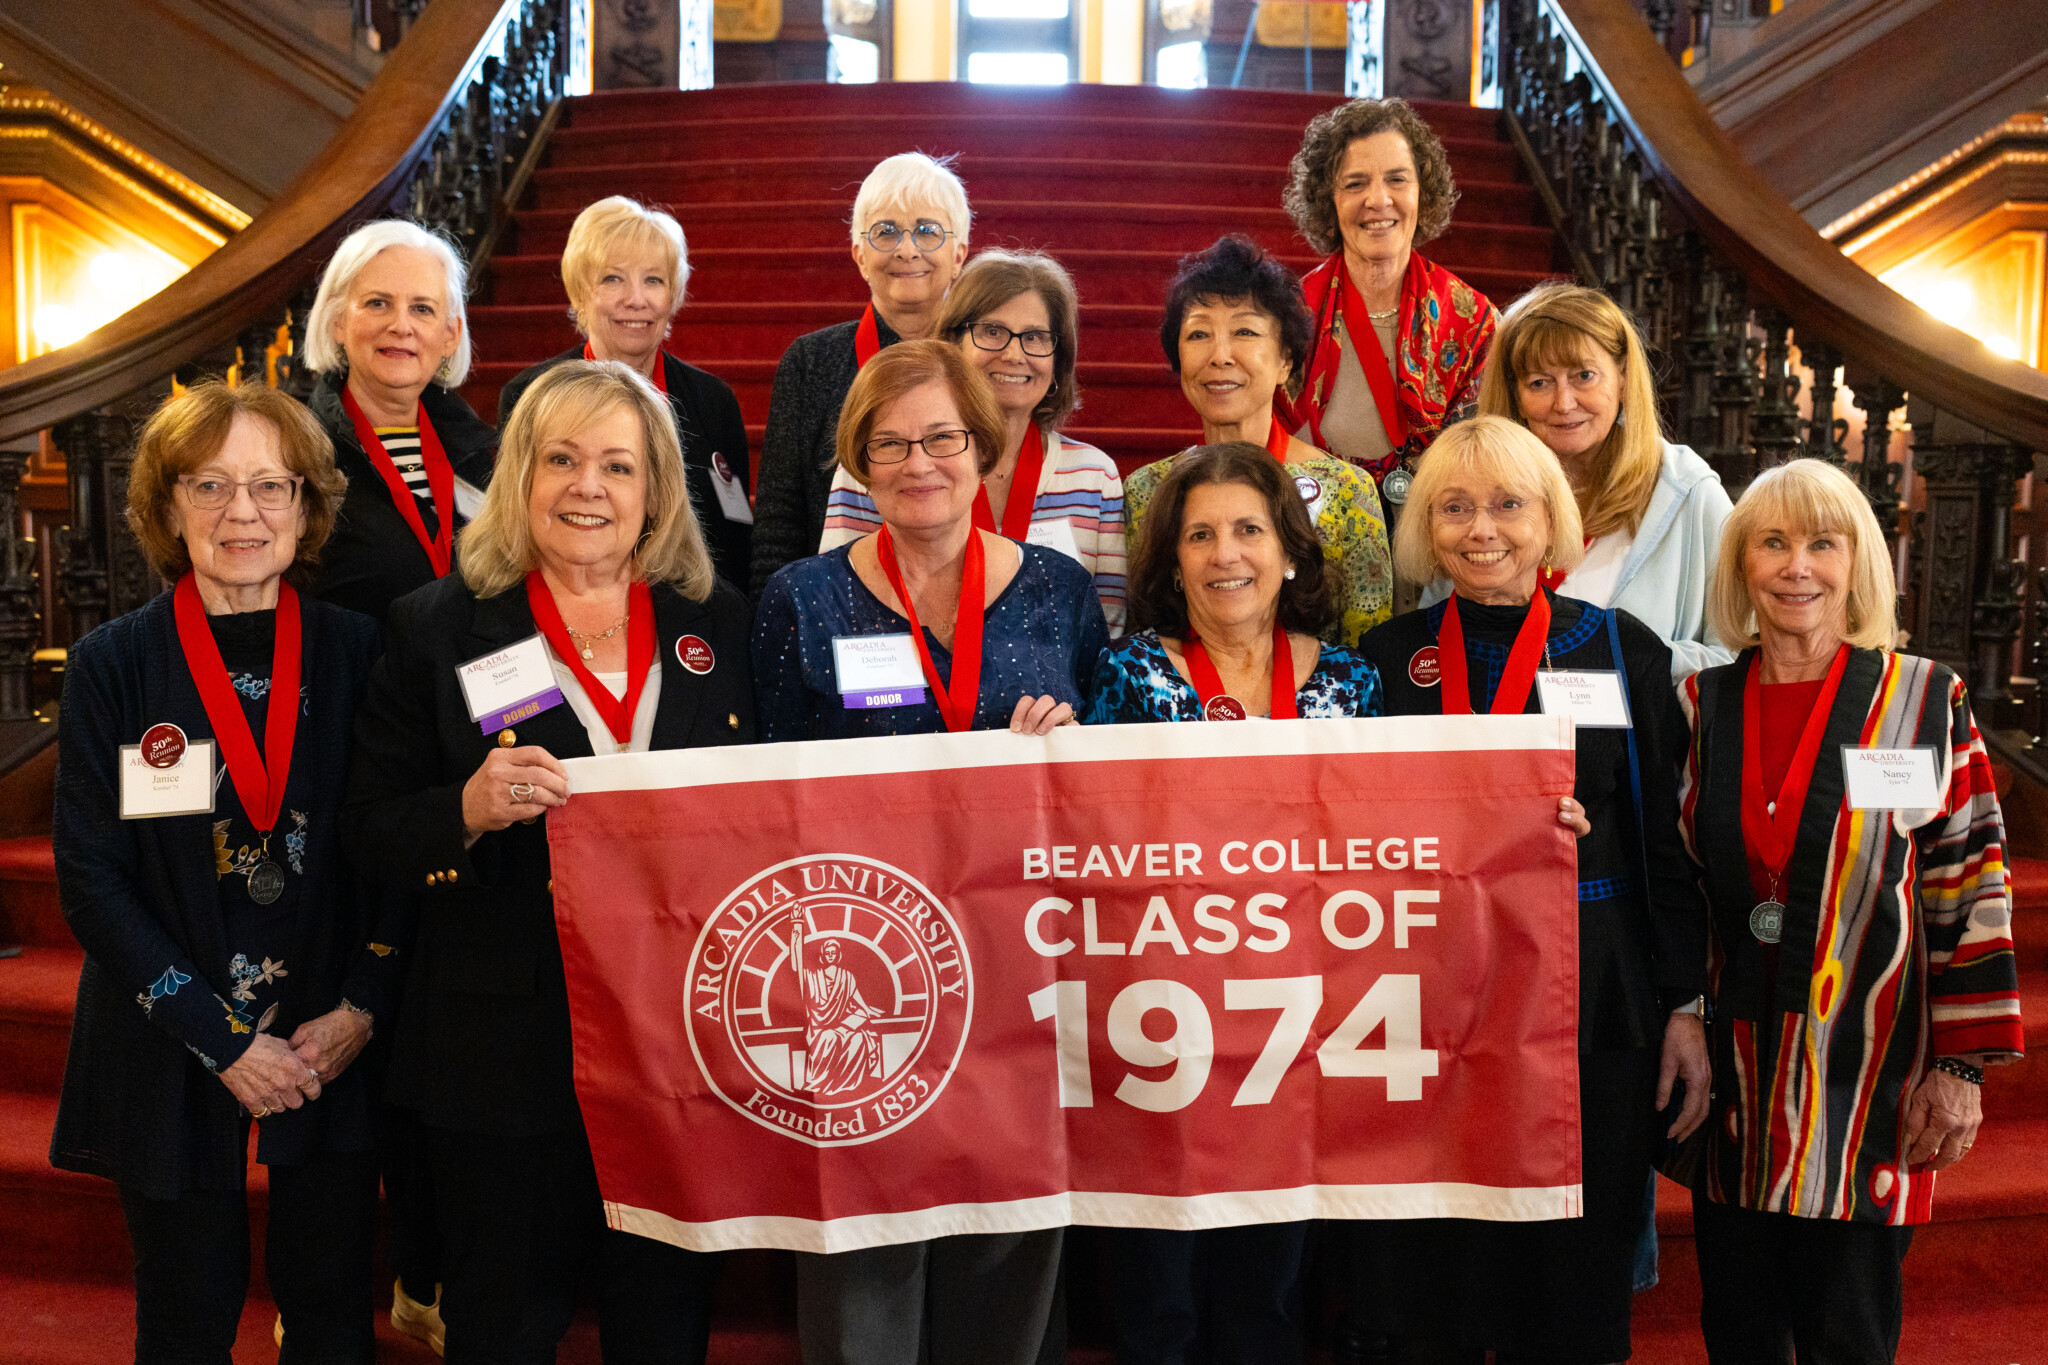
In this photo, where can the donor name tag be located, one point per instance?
(877, 670)
(508, 685)
(184, 787)
(1593, 698)
(1890, 779)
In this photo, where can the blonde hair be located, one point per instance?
(904, 368)
(324, 354)
(911, 178)
(1806, 496)
(607, 230)
(497, 549)
(1486, 450)
(1554, 326)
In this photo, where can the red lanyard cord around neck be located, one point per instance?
(1770, 829)
(259, 777)
(955, 702)
(1209, 682)
(1512, 696)
(660, 376)
(1023, 491)
(616, 712)
(1277, 439)
(867, 338)
(440, 483)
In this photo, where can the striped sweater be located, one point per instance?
(1078, 511)
(1896, 948)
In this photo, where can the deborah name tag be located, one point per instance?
(1593, 698)
(1890, 779)
(508, 685)
(185, 787)
(877, 670)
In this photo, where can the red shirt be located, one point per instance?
(1785, 709)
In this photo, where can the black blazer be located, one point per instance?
(373, 558)
(708, 423)
(141, 895)
(483, 1038)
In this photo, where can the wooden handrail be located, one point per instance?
(1755, 229)
(371, 157)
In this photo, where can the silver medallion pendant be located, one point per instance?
(1394, 488)
(1767, 922)
(266, 882)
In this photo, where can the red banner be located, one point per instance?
(844, 994)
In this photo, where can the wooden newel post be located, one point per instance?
(19, 620)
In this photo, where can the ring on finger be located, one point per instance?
(522, 792)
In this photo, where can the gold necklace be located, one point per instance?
(581, 636)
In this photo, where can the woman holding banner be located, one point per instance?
(1879, 951)
(586, 619)
(1490, 509)
(927, 626)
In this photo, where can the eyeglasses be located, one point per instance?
(993, 336)
(927, 236)
(940, 445)
(272, 494)
(1460, 511)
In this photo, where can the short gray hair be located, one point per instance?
(323, 353)
(907, 178)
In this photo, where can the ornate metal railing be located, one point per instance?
(1754, 317)
(446, 134)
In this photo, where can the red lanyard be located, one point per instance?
(440, 483)
(867, 338)
(1024, 480)
(616, 712)
(1513, 694)
(1277, 439)
(1770, 834)
(955, 703)
(1553, 579)
(1220, 705)
(259, 778)
(1372, 357)
(660, 376)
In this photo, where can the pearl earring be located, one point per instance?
(1289, 575)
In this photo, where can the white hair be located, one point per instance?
(910, 178)
(324, 354)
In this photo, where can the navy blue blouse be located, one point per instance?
(1040, 637)
(1135, 682)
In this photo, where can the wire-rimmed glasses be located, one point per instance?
(272, 493)
(926, 235)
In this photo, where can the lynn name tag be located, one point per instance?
(185, 787)
(877, 670)
(1593, 698)
(1891, 779)
(509, 685)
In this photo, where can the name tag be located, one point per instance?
(509, 685)
(877, 670)
(1593, 698)
(732, 499)
(1055, 534)
(469, 500)
(185, 787)
(1890, 779)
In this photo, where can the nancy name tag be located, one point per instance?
(508, 685)
(1891, 779)
(183, 787)
(1592, 697)
(877, 670)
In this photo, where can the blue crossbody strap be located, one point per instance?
(1635, 773)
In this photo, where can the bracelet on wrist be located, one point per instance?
(1960, 1069)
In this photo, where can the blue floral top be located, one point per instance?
(1135, 682)
(1040, 637)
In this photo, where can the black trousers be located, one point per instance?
(1220, 1296)
(192, 1266)
(413, 1247)
(523, 1227)
(1775, 1289)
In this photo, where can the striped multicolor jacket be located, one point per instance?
(1079, 511)
(1896, 949)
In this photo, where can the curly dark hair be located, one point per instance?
(1239, 268)
(1158, 603)
(1311, 197)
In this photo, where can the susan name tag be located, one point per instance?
(1592, 697)
(1891, 779)
(509, 685)
(877, 670)
(182, 787)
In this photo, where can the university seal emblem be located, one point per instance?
(829, 999)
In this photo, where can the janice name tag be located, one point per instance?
(877, 670)
(1592, 697)
(509, 685)
(183, 788)
(1891, 779)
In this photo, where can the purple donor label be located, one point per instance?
(898, 696)
(512, 715)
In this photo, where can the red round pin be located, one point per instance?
(1422, 669)
(1224, 707)
(692, 653)
(1308, 486)
(163, 745)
